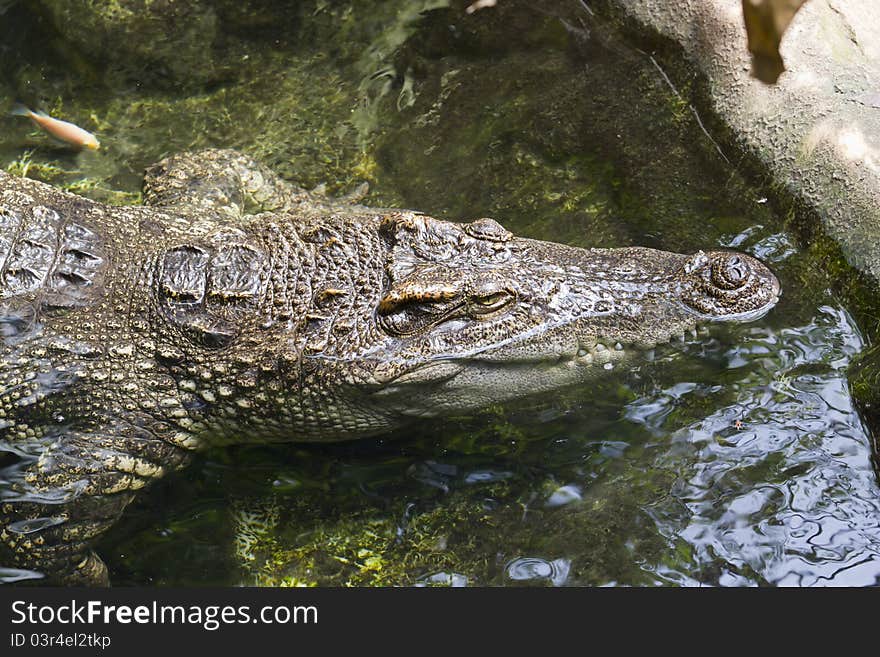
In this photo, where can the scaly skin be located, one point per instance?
(135, 335)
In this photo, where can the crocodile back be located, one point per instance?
(47, 258)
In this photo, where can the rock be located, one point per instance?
(166, 43)
(152, 39)
(813, 132)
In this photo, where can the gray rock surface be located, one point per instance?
(817, 132)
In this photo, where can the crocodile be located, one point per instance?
(233, 306)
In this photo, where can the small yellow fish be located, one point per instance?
(61, 130)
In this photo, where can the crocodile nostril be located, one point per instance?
(736, 269)
(730, 272)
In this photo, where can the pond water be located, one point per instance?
(730, 459)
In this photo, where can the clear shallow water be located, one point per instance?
(762, 480)
(735, 458)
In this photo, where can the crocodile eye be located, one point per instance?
(416, 306)
(491, 302)
(487, 229)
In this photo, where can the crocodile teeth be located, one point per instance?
(602, 356)
(436, 372)
(584, 357)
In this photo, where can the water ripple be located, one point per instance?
(776, 486)
(534, 569)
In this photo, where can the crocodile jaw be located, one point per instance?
(455, 385)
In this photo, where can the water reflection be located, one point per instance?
(789, 497)
(536, 569)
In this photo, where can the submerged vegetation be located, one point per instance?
(482, 535)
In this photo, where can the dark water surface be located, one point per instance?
(730, 459)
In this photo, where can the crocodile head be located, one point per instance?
(473, 315)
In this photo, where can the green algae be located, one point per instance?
(520, 130)
(557, 149)
(471, 534)
(295, 104)
(864, 380)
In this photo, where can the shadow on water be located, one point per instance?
(730, 459)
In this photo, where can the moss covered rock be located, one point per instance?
(150, 39)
